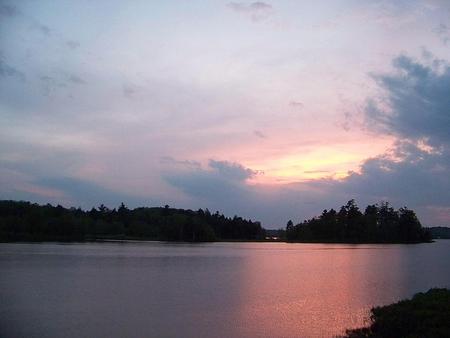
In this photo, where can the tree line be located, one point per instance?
(377, 224)
(440, 232)
(32, 222)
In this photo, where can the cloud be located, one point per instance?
(49, 84)
(221, 181)
(414, 176)
(253, 7)
(59, 80)
(66, 190)
(296, 104)
(8, 10)
(259, 134)
(257, 11)
(11, 11)
(440, 5)
(9, 71)
(443, 32)
(224, 186)
(72, 44)
(415, 108)
(316, 171)
(188, 174)
(231, 171)
(76, 79)
(415, 172)
(86, 193)
(171, 162)
(44, 29)
(347, 121)
(416, 101)
(129, 90)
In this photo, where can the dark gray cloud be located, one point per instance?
(171, 162)
(231, 171)
(415, 108)
(9, 71)
(347, 121)
(72, 44)
(88, 194)
(71, 192)
(11, 11)
(221, 179)
(7, 10)
(443, 32)
(259, 134)
(257, 11)
(416, 103)
(414, 176)
(44, 29)
(50, 84)
(59, 80)
(75, 79)
(44, 173)
(129, 90)
(222, 182)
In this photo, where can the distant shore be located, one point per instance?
(138, 239)
(22, 221)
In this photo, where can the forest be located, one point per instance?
(377, 224)
(439, 232)
(25, 221)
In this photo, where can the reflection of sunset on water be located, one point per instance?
(319, 290)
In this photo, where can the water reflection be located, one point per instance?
(207, 290)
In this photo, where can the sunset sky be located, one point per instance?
(268, 110)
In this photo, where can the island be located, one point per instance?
(377, 224)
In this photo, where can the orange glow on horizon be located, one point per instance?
(317, 163)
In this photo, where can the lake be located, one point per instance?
(152, 289)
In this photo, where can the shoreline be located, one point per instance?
(143, 240)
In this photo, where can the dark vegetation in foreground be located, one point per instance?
(426, 315)
(24, 221)
(377, 224)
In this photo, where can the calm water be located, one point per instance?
(207, 290)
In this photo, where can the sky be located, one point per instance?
(268, 110)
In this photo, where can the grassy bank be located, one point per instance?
(426, 315)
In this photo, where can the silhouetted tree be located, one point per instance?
(26, 221)
(377, 224)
